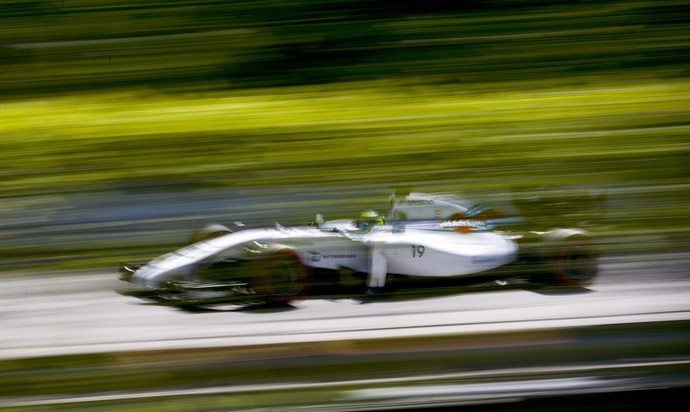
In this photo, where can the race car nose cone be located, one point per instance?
(151, 277)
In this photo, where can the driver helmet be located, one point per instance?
(367, 220)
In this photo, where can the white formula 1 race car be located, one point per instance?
(422, 237)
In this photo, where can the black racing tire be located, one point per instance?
(210, 231)
(281, 278)
(573, 261)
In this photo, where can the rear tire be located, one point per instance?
(573, 262)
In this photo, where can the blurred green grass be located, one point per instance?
(371, 131)
(486, 97)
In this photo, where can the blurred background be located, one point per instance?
(125, 125)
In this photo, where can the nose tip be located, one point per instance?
(144, 278)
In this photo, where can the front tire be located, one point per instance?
(281, 278)
(210, 231)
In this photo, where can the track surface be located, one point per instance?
(54, 315)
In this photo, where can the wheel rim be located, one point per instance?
(285, 278)
(578, 263)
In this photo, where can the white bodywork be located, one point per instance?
(430, 250)
(444, 253)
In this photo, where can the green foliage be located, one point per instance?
(488, 97)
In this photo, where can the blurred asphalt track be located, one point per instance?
(507, 347)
